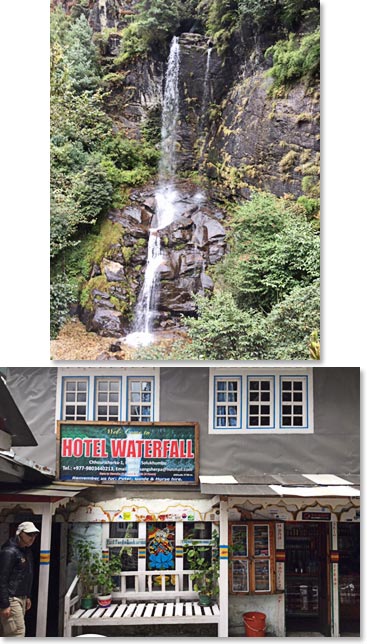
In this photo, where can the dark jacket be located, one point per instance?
(16, 572)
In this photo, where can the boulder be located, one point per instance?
(113, 270)
(107, 322)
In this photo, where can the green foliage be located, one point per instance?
(295, 59)
(153, 26)
(92, 190)
(62, 295)
(223, 331)
(290, 324)
(81, 56)
(221, 21)
(104, 570)
(274, 248)
(204, 560)
(85, 555)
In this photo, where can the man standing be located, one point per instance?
(16, 577)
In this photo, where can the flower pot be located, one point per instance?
(87, 602)
(104, 600)
(205, 600)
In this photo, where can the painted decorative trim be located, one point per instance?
(45, 557)
(334, 556)
(280, 555)
(223, 552)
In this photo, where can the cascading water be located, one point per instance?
(206, 93)
(165, 196)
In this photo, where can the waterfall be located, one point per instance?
(165, 196)
(206, 92)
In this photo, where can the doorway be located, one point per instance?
(307, 583)
(349, 578)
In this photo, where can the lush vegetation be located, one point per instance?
(91, 164)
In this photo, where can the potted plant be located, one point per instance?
(86, 557)
(205, 563)
(106, 569)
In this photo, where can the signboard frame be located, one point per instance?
(133, 425)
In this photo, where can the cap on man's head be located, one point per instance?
(28, 527)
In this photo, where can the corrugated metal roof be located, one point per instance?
(294, 484)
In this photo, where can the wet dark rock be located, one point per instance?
(107, 322)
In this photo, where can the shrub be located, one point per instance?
(61, 296)
(295, 59)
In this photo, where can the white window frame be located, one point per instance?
(108, 378)
(246, 374)
(140, 378)
(91, 374)
(64, 402)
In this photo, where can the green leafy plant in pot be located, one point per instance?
(106, 569)
(204, 561)
(86, 557)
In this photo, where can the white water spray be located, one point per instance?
(166, 195)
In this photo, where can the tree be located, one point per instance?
(81, 56)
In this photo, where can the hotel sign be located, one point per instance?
(136, 452)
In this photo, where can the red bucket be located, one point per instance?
(254, 624)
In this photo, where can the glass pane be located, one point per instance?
(254, 385)
(221, 396)
(239, 576)
(286, 397)
(261, 540)
(221, 410)
(134, 410)
(287, 409)
(297, 386)
(265, 421)
(286, 421)
(254, 396)
(114, 397)
(146, 386)
(81, 397)
(297, 409)
(297, 421)
(254, 421)
(70, 397)
(232, 411)
(103, 385)
(262, 575)
(232, 397)
(102, 410)
(221, 422)
(265, 409)
(146, 397)
(286, 386)
(221, 386)
(265, 385)
(114, 386)
(102, 397)
(135, 397)
(232, 421)
(239, 540)
(70, 385)
(232, 386)
(254, 409)
(145, 419)
(114, 410)
(82, 386)
(70, 410)
(297, 396)
(265, 396)
(145, 410)
(134, 386)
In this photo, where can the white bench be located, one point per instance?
(146, 604)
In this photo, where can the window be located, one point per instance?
(108, 395)
(293, 402)
(260, 401)
(260, 396)
(75, 399)
(140, 399)
(107, 399)
(252, 567)
(227, 402)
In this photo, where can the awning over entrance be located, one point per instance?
(304, 485)
(12, 421)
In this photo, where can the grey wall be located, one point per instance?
(333, 448)
(184, 392)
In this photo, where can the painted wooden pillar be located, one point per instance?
(223, 569)
(334, 569)
(142, 561)
(44, 571)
